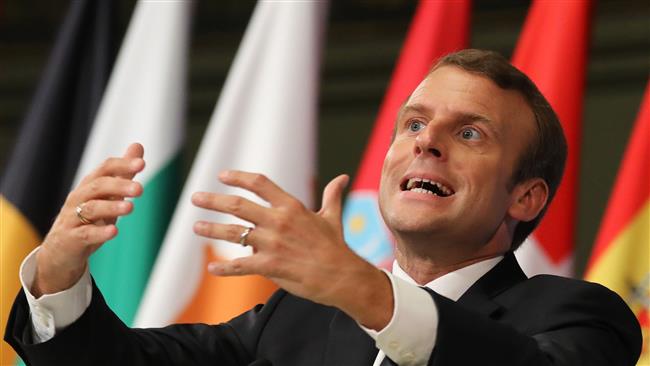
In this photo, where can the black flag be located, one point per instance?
(52, 137)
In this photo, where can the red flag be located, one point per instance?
(552, 51)
(438, 28)
(621, 256)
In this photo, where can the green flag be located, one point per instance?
(144, 102)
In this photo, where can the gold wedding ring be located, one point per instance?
(78, 210)
(242, 237)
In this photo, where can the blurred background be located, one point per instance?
(363, 40)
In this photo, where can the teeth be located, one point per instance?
(442, 188)
(410, 186)
(411, 183)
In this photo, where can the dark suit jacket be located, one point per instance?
(503, 319)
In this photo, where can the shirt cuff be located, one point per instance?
(52, 312)
(410, 336)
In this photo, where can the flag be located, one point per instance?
(144, 102)
(552, 51)
(42, 164)
(621, 256)
(438, 28)
(264, 122)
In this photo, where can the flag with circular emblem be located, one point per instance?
(438, 28)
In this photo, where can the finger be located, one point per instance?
(135, 150)
(333, 197)
(108, 187)
(135, 153)
(236, 267)
(116, 167)
(258, 184)
(90, 235)
(234, 205)
(267, 266)
(231, 233)
(96, 210)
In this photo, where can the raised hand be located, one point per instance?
(86, 221)
(301, 251)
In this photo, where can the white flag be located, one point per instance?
(264, 122)
(144, 102)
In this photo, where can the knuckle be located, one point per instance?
(117, 208)
(259, 179)
(294, 205)
(237, 266)
(94, 186)
(234, 204)
(283, 221)
(89, 209)
(271, 261)
(104, 166)
(84, 235)
(275, 243)
(108, 162)
(233, 232)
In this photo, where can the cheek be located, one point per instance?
(494, 196)
(486, 178)
(392, 162)
(385, 182)
(392, 170)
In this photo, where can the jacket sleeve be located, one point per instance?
(587, 325)
(99, 337)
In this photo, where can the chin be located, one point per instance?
(401, 225)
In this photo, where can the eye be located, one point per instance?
(415, 126)
(469, 133)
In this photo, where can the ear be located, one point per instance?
(529, 198)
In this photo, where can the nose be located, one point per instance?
(427, 142)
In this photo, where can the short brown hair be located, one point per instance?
(546, 154)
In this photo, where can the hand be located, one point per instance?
(301, 251)
(63, 256)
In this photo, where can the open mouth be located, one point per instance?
(426, 186)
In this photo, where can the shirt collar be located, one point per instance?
(453, 284)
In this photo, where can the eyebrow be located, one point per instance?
(461, 116)
(419, 108)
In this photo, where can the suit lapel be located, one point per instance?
(479, 297)
(347, 344)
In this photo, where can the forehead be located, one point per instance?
(452, 90)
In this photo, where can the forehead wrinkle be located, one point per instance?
(464, 117)
(473, 117)
(416, 107)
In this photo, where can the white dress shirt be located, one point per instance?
(53, 312)
(410, 336)
(408, 339)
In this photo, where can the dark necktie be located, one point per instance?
(387, 362)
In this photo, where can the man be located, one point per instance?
(476, 157)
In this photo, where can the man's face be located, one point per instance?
(447, 173)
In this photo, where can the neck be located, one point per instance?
(426, 261)
(426, 269)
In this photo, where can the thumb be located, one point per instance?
(135, 150)
(332, 197)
